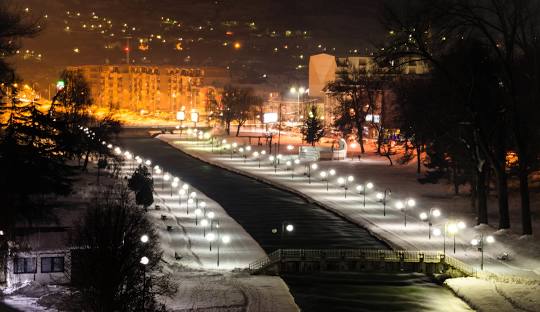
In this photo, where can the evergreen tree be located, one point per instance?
(142, 184)
(313, 129)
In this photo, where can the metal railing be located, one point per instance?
(357, 254)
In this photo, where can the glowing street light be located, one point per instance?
(362, 188)
(402, 206)
(257, 155)
(480, 243)
(144, 238)
(313, 166)
(324, 177)
(226, 239)
(166, 177)
(197, 212)
(210, 238)
(204, 224)
(433, 212)
(296, 163)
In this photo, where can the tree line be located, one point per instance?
(476, 113)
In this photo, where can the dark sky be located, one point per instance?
(276, 37)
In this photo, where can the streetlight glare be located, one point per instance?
(314, 166)
(379, 196)
(148, 162)
(474, 242)
(436, 213)
(185, 186)
(452, 228)
(226, 239)
(490, 239)
(369, 185)
(350, 178)
(202, 204)
(359, 188)
(461, 225)
(289, 228)
(332, 172)
(411, 202)
(210, 237)
(204, 222)
(437, 232)
(211, 215)
(144, 260)
(198, 212)
(323, 174)
(297, 161)
(193, 194)
(144, 238)
(340, 180)
(292, 90)
(399, 205)
(423, 216)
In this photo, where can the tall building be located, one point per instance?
(146, 89)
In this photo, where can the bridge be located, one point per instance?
(312, 260)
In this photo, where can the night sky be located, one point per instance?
(275, 37)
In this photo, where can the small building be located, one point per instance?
(39, 254)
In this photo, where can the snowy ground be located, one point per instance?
(401, 179)
(202, 284)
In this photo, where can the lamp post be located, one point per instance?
(363, 189)
(223, 144)
(174, 185)
(433, 212)
(387, 192)
(210, 238)
(300, 91)
(144, 261)
(402, 206)
(204, 224)
(480, 243)
(166, 177)
(190, 201)
(233, 148)
(197, 212)
(453, 228)
(225, 240)
(289, 228)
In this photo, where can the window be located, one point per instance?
(52, 264)
(24, 265)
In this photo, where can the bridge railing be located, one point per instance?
(351, 254)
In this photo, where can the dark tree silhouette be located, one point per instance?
(106, 267)
(142, 184)
(313, 129)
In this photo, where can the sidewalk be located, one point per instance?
(202, 283)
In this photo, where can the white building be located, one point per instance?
(40, 255)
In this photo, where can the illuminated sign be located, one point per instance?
(270, 117)
(194, 116)
(181, 115)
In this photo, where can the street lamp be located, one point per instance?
(190, 201)
(324, 177)
(198, 212)
(225, 240)
(166, 177)
(233, 148)
(362, 188)
(284, 227)
(402, 206)
(433, 212)
(451, 227)
(204, 224)
(144, 238)
(257, 155)
(480, 243)
(382, 197)
(210, 238)
(144, 261)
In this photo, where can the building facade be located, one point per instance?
(146, 89)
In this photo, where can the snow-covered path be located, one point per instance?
(185, 224)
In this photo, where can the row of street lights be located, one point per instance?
(450, 227)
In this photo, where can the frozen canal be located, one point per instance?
(259, 208)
